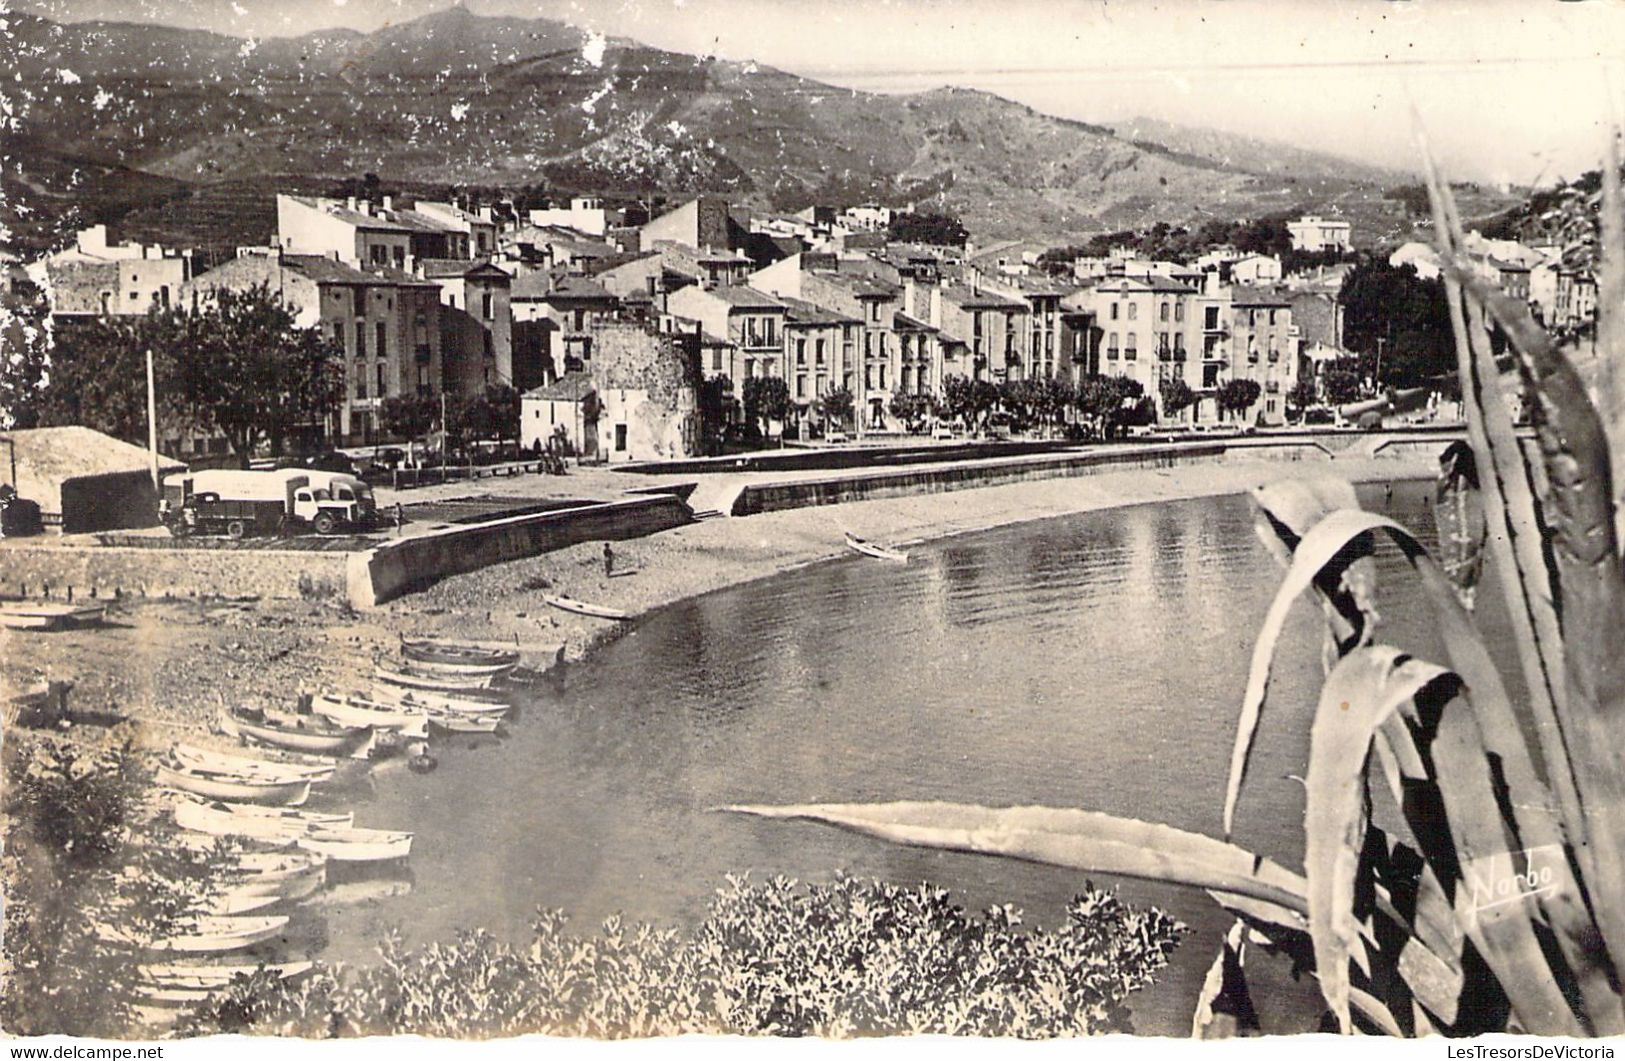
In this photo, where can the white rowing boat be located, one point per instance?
(300, 733)
(359, 711)
(48, 615)
(311, 819)
(597, 611)
(207, 934)
(423, 700)
(358, 845)
(451, 725)
(878, 552)
(186, 976)
(439, 683)
(206, 761)
(215, 819)
(241, 790)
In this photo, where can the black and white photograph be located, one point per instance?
(812, 519)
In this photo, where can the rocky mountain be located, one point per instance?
(205, 125)
(1254, 153)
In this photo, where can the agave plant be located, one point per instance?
(1495, 898)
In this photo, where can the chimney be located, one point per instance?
(389, 202)
(350, 202)
(936, 306)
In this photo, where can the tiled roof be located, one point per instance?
(348, 216)
(325, 270)
(904, 323)
(443, 267)
(540, 287)
(966, 298)
(800, 311)
(570, 387)
(1253, 295)
(745, 297)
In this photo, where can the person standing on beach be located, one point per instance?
(609, 560)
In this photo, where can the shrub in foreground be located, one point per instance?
(846, 958)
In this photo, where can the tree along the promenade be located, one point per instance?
(97, 377)
(1302, 395)
(1342, 386)
(911, 409)
(1176, 395)
(410, 416)
(1406, 315)
(1236, 396)
(766, 398)
(1112, 403)
(715, 401)
(837, 406)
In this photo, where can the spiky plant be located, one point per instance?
(1499, 902)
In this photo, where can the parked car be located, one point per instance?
(331, 461)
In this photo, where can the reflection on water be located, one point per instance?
(1094, 661)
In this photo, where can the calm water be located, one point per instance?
(1094, 661)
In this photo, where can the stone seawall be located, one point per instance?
(834, 490)
(409, 564)
(29, 569)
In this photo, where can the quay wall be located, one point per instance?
(833, 490)
(409, 564)
(107, 571)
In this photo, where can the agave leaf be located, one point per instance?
(1610, 299)
(1515, 528)
(1074, 839)
(1224, 1009)
(1287, 509)
(1468, 843)
(1458, 513)
(1362, 691)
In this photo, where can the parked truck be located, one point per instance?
(243, 504)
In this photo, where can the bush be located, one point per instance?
(851, 957)
(72, 864)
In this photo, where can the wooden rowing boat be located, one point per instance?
(597, 611)
(878, 552)
(179, 976)
(48, 615)
(300, 733)
(358, 845)
(452, 653)
(450, 658)
(438, 683)
(451, 725)
(475, 704)
(206, 934)
(358, 711)
(240, 900)
(214, 820)
(274, 793)
(205, 761)
(308, 818)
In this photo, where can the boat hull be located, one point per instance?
(358, 845)
(439, 683)
(202, 760)
(278, 794)
(367, 713)
(596, 611)
(354, 741)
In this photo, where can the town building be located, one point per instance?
(818, 343)
(353, 231)
(1316, 234)
(751, 320)
(94, 278)
(560, 312)
(584, 214)
(1264, 348)
(389, 325)
(479, 227)
(476, 324)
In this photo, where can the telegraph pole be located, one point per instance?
(152, 424)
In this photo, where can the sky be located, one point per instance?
(1508, 91)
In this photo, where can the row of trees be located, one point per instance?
(491, 415)
(238, 366)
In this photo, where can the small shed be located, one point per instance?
(567, 409)
(84, 480)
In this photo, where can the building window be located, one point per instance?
(1131, 350)
(1162, 345)
(383, 340)
(382, 390)
(801, 352)
(1179, 311)
(486, 311)
(1114, 311)
(1179, 346)
(1212, 315)
(716, 359)
(801, 386)
(1133, 310)
(818, 351)
(620, 441)
(338, 334)
(360, 295)
(1275, 352)
(1111, 347)
(360, 338)
(1162, 310)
